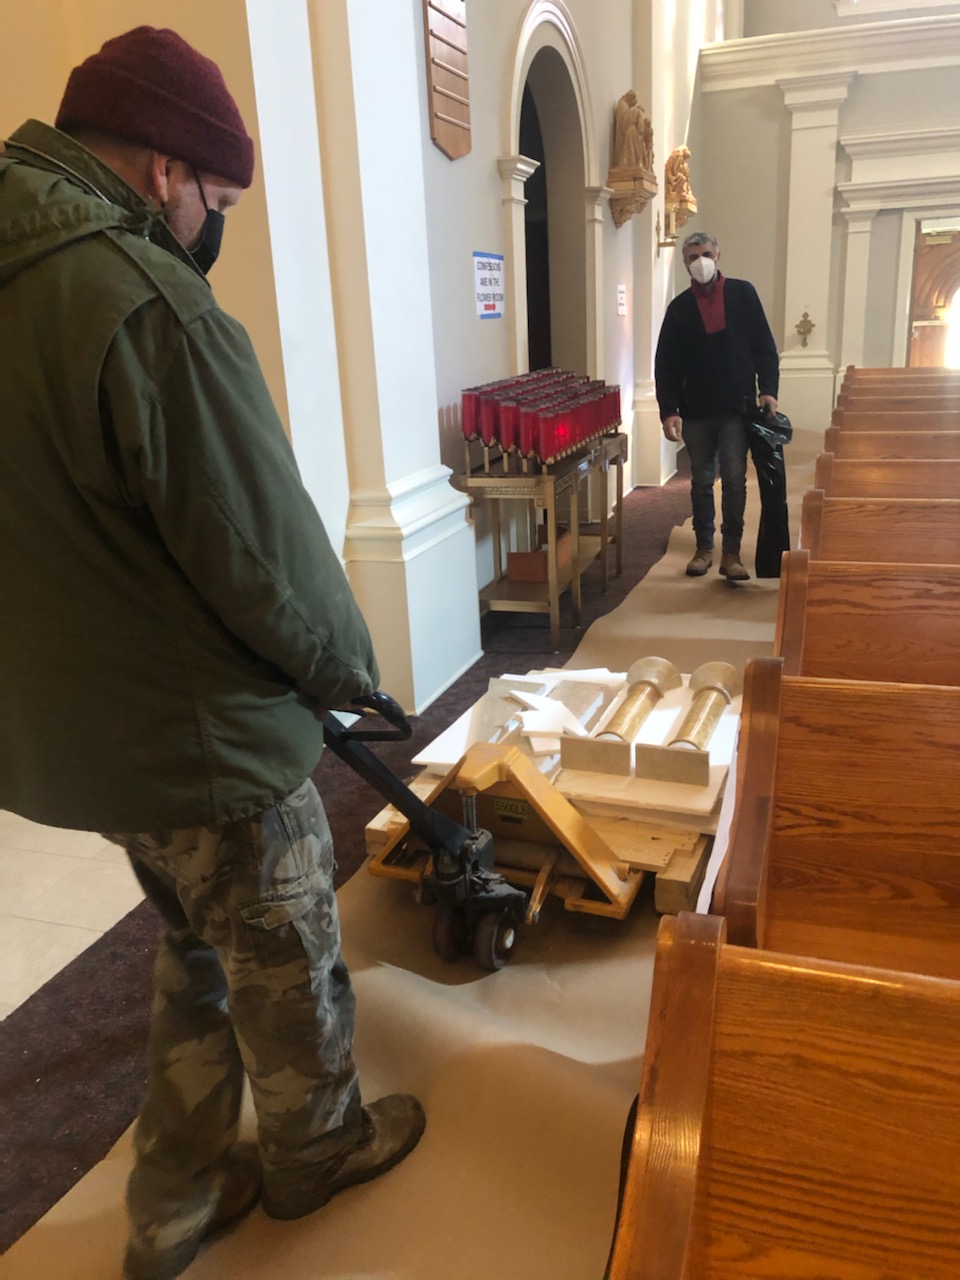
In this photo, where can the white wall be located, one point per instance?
(667, 41)
(898, 100)
(464, 196)
(743, 157)
(742, 186)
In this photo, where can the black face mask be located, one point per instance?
(211, 234)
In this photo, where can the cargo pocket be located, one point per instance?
(292, 928)
(294, 938)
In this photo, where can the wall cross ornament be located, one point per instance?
(805, 327)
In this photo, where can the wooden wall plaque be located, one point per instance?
(448, 83)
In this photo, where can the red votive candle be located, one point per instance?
(468, 413)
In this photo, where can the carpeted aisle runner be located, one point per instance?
(71, 1057)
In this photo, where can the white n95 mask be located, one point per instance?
(703, 270)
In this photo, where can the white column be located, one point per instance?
(290, 159)
(901, 321)
(733, 19)
(597, 200)
(653, 459)
(859, 228)
(806, 373)
(409, 547)
(514, 172)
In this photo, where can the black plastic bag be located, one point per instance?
(768, 433)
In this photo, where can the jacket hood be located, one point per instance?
(54, 192)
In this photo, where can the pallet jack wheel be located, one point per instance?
(495, 939)
(450, 940)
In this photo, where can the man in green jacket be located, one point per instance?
(175, 623)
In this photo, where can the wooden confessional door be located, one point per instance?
(936, 279)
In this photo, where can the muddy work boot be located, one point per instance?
(731, 566)
(701, 562)
(392, 1127)
(237, 1196)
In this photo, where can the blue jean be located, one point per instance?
(709, 441)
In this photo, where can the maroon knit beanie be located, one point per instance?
(151, 87)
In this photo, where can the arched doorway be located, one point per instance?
(934, 313)
(559, 295)
(549, 76)
(537, 238)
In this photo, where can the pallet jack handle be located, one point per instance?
(439, 833)
(391, 725)
(475, 906)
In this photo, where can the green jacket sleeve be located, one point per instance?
(198, 442)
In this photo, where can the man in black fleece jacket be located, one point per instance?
(715, 352)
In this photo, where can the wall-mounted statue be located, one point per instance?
(631, 177)
(679, 201)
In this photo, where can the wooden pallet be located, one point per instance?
(527, 852)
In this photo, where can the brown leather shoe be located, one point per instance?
(701, 562)
(731, 566)
(392, 1127)
(238, 1195)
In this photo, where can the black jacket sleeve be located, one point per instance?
(202, 447)
(766, 359)
(669, 364)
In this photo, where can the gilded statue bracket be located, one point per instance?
(631, 177)
(679, 202)
(631, 194)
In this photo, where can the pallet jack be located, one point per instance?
(475, 908)
(594, 863)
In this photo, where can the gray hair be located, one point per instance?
(700, 237)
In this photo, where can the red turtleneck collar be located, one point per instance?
(710, 302)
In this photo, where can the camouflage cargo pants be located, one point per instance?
(249, 982)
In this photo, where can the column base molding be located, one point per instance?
(404, 518)
(411, 559)
(654, 458)
(813, 360)
(807, 393)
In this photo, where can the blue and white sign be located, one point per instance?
(488, 278)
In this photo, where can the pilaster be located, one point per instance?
(856, 278)
(653, 458)
(597, 201)
(806, 373)
(514, 172)
(407, 527)
(733, 20)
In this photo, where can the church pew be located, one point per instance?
(912, 420)
(896, 370)
(888, 530)
(944, 383)
(899, 402)
(861, 372)
(845, 836)
(882, 622)
(860, 376)
(796, 1120)
(892, 444)
(887, 477)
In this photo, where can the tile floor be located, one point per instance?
(59, 891)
